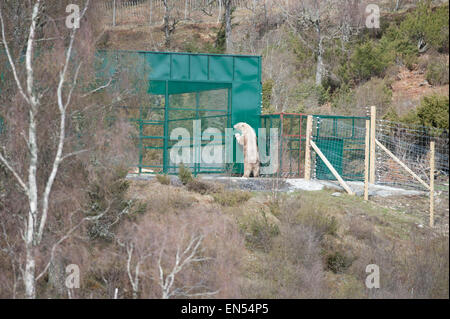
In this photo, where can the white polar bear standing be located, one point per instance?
(250, 147)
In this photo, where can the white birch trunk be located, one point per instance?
(320, 51)
(30, 263)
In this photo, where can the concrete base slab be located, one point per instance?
(291, 185)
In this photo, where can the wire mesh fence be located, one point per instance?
(151, 12)
(411, 145)
(342, 141)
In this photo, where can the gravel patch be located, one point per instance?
(289, 185)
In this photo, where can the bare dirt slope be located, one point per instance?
(410, 86)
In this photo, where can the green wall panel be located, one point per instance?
(220, 68)
(246, 103)
(159, 65)
(180, 67)
(246, 69)
(199, 68)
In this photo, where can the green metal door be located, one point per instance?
(333, 149)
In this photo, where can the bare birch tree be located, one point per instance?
(184, 257)
(36, 179)
(134, 274)
(316, 23)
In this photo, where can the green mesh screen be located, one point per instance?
(341, 139)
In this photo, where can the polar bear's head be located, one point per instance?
(241, 126)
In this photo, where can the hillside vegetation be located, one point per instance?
(393, 67)
(66, 198)
(260, 245)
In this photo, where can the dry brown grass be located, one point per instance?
(308, 245)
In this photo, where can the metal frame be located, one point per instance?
(288, 139)
(165, 167)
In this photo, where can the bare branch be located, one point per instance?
(16, 175)
(188, 256)
(73, 154)
(99, 88)
(62, 108)
(11, 62)
(67, 235)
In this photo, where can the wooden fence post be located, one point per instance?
(432, 184)
(373, 123)
(309, 122)
(366, 161)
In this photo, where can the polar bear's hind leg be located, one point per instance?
(256, 170)
(247, 170)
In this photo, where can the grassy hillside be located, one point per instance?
(270, 245)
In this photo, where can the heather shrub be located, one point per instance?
(259, 232)
(185, 174)
(437, 71)
(231, 197)
(163, 179)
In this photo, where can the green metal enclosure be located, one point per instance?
(189, 91)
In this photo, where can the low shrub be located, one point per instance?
(163, 179)
(437, 71)
(202, 187)
(338, 262)
(180, 201)
(259, 232)
(432, 112)
(362, 230)
(322, 224)
(367, 60)
(185, 174)
(107, 196)
(231, 198)
(376, 91)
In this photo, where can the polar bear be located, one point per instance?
(250, 147)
